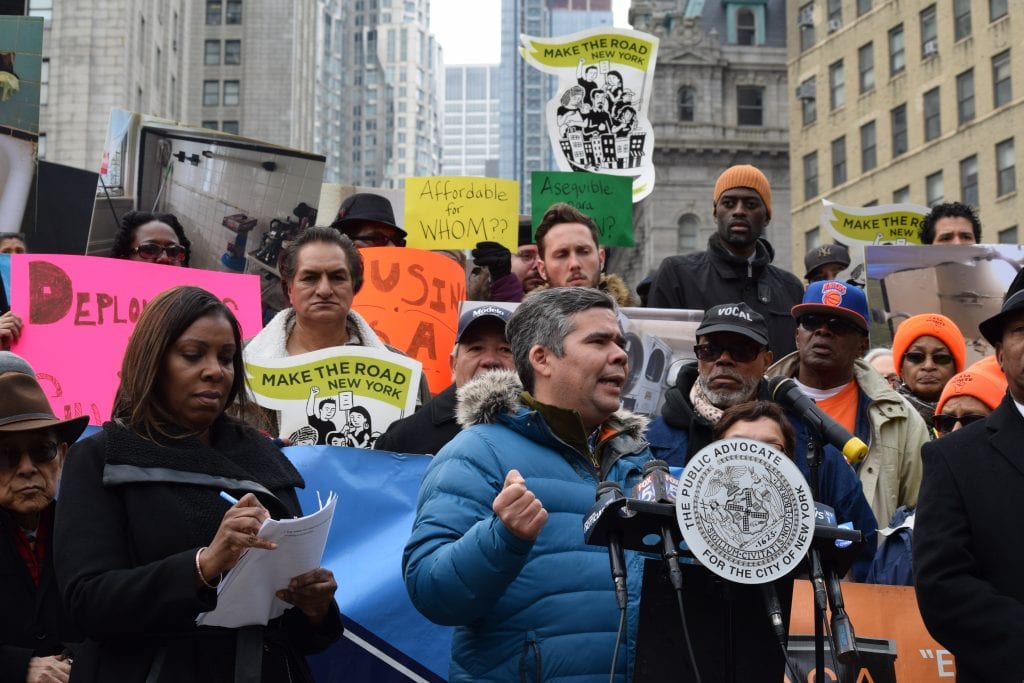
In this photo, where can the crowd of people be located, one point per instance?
(106, 581)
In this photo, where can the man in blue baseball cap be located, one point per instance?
(831, 338)
(480, 345)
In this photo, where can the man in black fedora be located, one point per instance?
(968, 544)
(369, 221)
(34, 628)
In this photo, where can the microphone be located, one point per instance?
(842, 629)
(786, 393)
(608, 493)
(771, 603)
(656, 484)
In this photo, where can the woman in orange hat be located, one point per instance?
(927, 351)
(968, 397)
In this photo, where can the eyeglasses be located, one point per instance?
(944, 423)
(917, 358)
(151, 251)
(39, 453)
(377, 240)
(841, 326)
(741, 353)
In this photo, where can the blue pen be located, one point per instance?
(229, 498)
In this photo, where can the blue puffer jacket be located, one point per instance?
(524, 611)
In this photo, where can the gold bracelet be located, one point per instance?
(199, 571)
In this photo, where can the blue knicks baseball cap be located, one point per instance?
(832, 297)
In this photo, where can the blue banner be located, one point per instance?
(387, 639)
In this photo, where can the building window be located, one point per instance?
(806, 93)
(929, 32)
(933, 189)
(863, 7)
(233, 12)
(746, 27)
(901, 195)
(897, 52)
(686, 103)
(41, 146)
(932, 115)
(211, 53)
(969, 180)
(41, 8)
(810, 176)
(214, 12)
(997, 9)
(749, 105)
(961, 19)
(965, 97)
(839, 161)
(836, 85)
(1001, 84)
(212, 125)
(1006, 178)
(688, 234)
(1008, 236)
(812, 238)
(866, 67)
(834, 14)
(898, 118)
(44, 82)
(230, 127)
(805, 21)
(231, 89)
(211, 93)
(232, 52)
(868, 147)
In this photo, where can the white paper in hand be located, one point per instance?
(246, 595)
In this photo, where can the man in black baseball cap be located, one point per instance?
(825, 262)
(369, 221)
(480, 345)
(732, 356)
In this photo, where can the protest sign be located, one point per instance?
(894, 644)
(411, 299)
(597, 120)
(455, 212)
(860, 226)
(605, 198)
(965, 283)
(79, 312)
(338, 396)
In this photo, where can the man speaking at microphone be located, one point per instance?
(497, 547)
(732, 356)
(831, 338)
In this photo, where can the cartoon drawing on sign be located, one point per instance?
(359, 432)
(597, 120)
(320, 412)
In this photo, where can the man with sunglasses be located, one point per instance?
(968, 543)
(831, 338)
(34, 628)
(732, 356)
(369, 221)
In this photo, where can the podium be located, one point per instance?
(729, 627)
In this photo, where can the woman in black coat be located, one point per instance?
(142, 536)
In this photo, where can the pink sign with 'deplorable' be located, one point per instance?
(79, 311)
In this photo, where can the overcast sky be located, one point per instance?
(469, 32)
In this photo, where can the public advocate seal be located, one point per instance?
(745, 511)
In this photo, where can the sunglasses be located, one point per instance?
(39, 454)
(741, 353)
(151, 251)
(841, 326)
(376, 240)
(944, 423)
(917, 358)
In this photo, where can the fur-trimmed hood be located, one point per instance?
(611, 284)
(272, 341)
(491, 394)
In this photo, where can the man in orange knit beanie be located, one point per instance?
(737, 265)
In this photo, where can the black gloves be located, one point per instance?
(496, 257)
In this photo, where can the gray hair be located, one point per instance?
(289, 259)
(545, 318)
